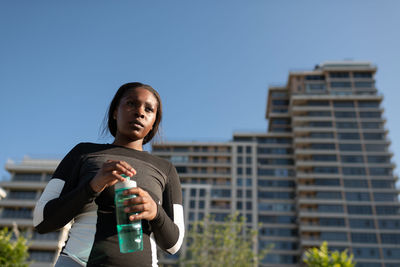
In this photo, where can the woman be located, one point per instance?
(81, 190)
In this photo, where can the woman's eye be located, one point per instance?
(149, 109)
(130, 103)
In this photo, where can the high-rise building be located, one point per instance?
(28, 179)
(322, 172)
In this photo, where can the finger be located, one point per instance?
(134, 201)
(128, 167)
(139, 216)
(136, 191)
(135, 208)
(120, 167)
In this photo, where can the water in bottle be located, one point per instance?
(130, 234)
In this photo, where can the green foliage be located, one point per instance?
(13, 253)
(216, 244)
(322, 257)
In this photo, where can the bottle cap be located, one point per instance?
(127, 184)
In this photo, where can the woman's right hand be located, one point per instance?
(110, 173)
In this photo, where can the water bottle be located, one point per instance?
(130, 235)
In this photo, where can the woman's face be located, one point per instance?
(135, 114)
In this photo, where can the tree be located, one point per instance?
(13, 252)
(216, 244)
(322, 257)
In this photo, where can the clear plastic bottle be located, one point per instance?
(130, 233)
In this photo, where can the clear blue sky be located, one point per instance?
(212, 62)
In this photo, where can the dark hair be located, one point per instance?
(112, 123)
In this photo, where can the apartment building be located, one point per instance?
(28, 179)
(322, 172)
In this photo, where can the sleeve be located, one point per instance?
(64, 197)
(168, 225)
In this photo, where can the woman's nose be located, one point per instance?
(140, 112)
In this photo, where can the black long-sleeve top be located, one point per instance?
(93, 239)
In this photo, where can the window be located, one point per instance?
(328, 195)
(370, 114)
(341, 84)
(389, 224)
(334, 222)
(364, 84)
(275, 195)
(326, 169)
(358, 209)
(375, 147)
(34, 177)
(353, 171)
(387, 210)
(378, 159)
(276, 183)
(381, 197)
(333, 236)
(324, 157)
(380, 171)
(281, 207)
(339, 74)
(277, 219)
(391, 253)
(330, 208)
(345, 114)
(275, 161)
(362, 223)
(391, 238)
(350, 147)
(346, 125)
(328, 146)
(367, 253)
(357, 196)
(355, 183)
(374, 136)
(343, 104)
(21, 194)
(317, 103)
(382, 184)
(320, 124)
(327, 182)
(314, 77)
(352, 159)
(280, 151)
(181, 169)
(321, 135)
(363, 238)
(348, 136)
(17, 213)
(362, 74)
(279, 102)
(220, 193)
(284, 232)
(368, 104)
(371, 125)
(315, 87)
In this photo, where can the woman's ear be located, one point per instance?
(115, 114)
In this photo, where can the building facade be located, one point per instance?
(322, 172)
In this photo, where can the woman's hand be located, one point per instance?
(143, 204)
(110, 173)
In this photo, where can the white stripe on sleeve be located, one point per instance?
(178, 220)
(52, 191)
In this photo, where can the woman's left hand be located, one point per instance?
(143, 204)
